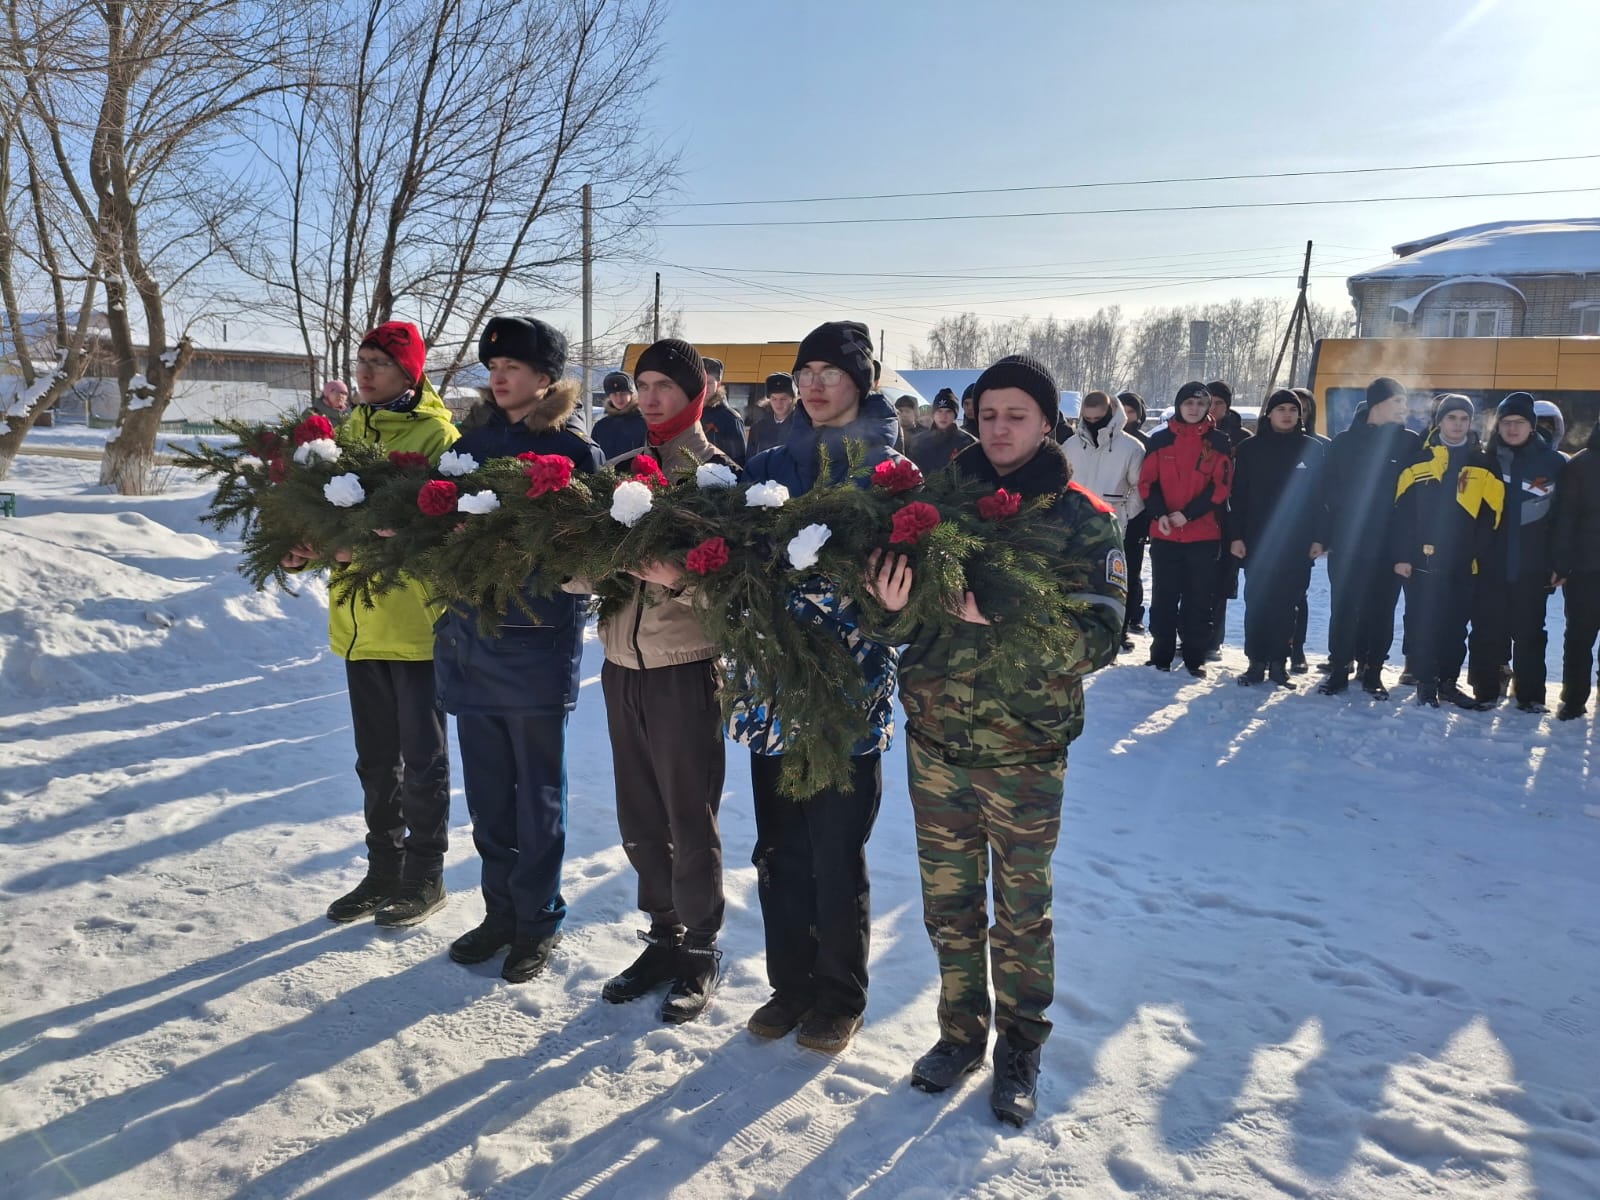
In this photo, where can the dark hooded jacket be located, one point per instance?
(620, 433)
(797, 464)
(933, 449)
(1277, 494)
(1531, 473)
(530, 665)
(1359, 486)
(1575, 541)
(724, 428)
(1447, 505)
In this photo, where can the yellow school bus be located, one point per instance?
(1563, 370)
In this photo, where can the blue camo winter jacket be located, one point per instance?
(530, 666)
(797, 465)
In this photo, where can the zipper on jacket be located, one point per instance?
(638, 619)
(355, 627)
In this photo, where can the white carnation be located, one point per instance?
(344, 491)
(715, 475)
(766, 495)
(248, 462)
(631, 501)
(451, 463)
(325, 449)
(804, 545)
(478, 502)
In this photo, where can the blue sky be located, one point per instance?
(791, 100)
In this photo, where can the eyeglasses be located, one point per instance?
(827, 377)
(373, 364)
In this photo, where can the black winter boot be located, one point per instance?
(777, 1017)
(1278, 672)
(656, 964)
(1372, 683)
(1255, 673)
(528, 957)
(1336, 684)
(699, 967)
(483, 941)
(1569, 711)
(1427, 693)
(412, 902)
(1016, 1081)
(946, 1063)
(1298, 664)
(364, 899)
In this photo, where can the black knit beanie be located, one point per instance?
(1027, 373)
(1283, 396)
(1193, 388)
(1220, 391)
(678, 361)
(527, 339)
(1517, 404)
(1383, 388)
(843, 344)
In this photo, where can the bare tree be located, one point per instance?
(954, 343)
(136, 109)
(434, 170)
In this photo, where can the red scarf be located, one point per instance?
(660, 435)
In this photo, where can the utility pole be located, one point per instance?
(588, 300)
(1299, 320)
(655, 322)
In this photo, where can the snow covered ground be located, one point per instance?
(1307, 947)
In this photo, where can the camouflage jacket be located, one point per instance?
(952, 702)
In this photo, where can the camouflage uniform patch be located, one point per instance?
(963, 815)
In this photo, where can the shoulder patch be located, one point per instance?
(1099, 504)
(1117, 569)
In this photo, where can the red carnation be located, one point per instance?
(407, 459)
(267, 445)
(710, 555)
(437, 497)
(999, 506)
(277, 471)
(313, 429)
(547, 472)
(648, 471)
(896, 475)
(912, 522)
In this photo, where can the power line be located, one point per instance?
(1062, 187)
(1098, 212)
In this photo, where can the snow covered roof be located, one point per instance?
(1497, 248)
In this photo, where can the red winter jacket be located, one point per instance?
(1187, 469)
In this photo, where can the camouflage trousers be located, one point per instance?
(968, 817)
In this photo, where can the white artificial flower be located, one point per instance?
(344, 491)
(715, 475)
(248, 461)
(478, 502)
(451, 463)
(766, 495)
(804, 545)
(324, 448)
(631, 501)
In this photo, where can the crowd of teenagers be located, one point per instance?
(1472, 534)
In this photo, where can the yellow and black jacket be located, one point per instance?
(1448, 503)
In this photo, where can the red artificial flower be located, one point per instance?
(710, 555)
(648, 471)
(999, 506)
(913, 522)
(437, 497)
(896, 475)
(406, 459)
(547, 472)
(267, 445)
(277, 470)
(314, 428)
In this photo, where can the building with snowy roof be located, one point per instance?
(1500, 279)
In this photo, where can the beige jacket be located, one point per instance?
(657, 627)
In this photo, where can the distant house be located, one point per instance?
(1502, 279)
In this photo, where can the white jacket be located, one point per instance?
(1110, 466)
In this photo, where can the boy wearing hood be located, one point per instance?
(402, 757)
(986, 766)
(810, 855)
(1272, 511)
(1356, 529)
(1447, 505)
(511, 691)
(1106, 460)
(1184, 482)
(1517, 574)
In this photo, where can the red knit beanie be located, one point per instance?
(401, 341)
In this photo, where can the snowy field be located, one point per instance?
(1307, 947)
